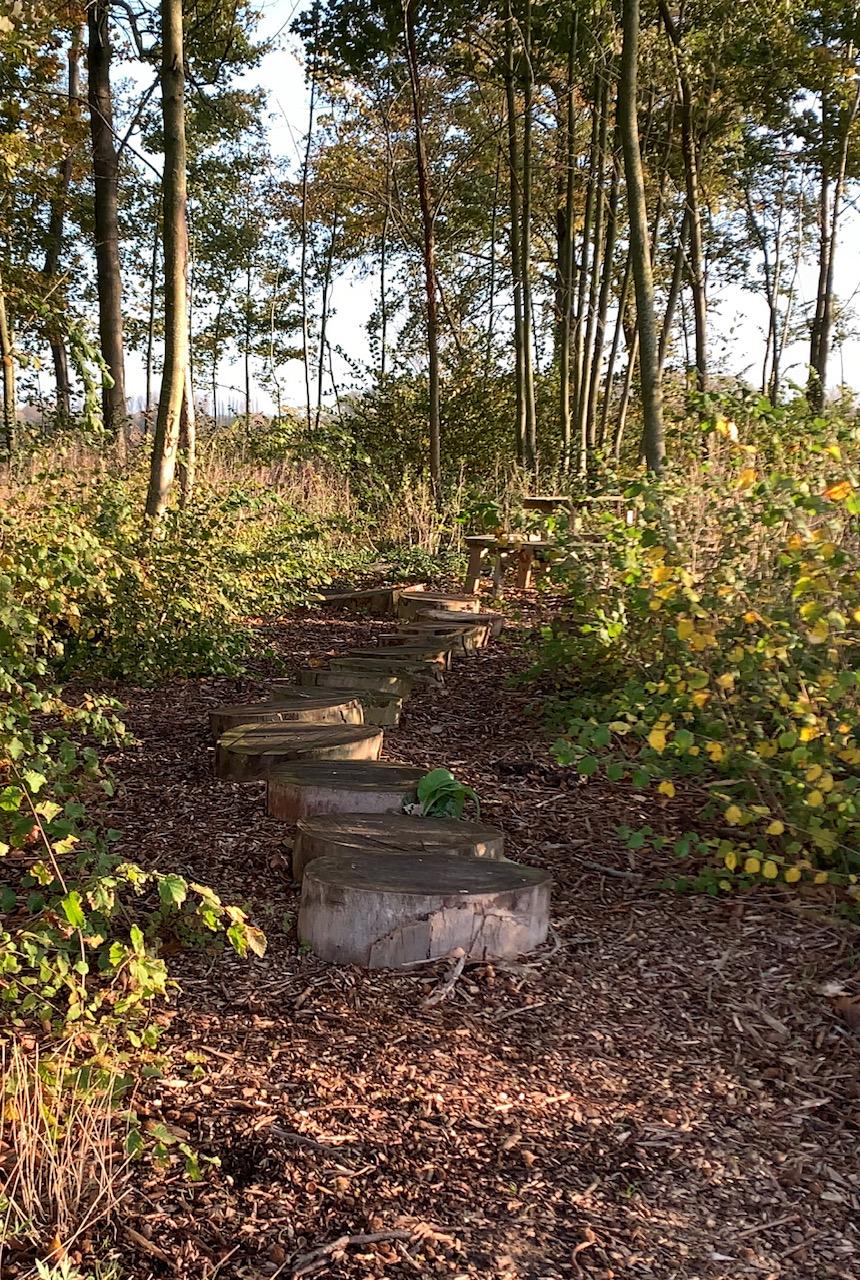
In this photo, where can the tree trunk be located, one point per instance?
(105, 206)
(584, 424)
(674, 292)
(603, 308)
(303, 264)
(246, 350)
(525, 246)
(582, 288)
(646, 326)
(566, 252)
(428, 222)
(150, 327)
(324, 305)
(10, 411)
(515, 214)
(623, 293)
(54, 244)
(176, 344)
(187, 460)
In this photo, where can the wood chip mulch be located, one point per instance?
(666, 1090)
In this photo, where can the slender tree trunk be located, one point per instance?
(646, 326)
(324, 306)
(246, 349)
(105, 213)
(623, 294)
(54, 243)
(187, 460)
(566, 250)
(428, 221)
(580, 318)
(175, 199)
(303, 266)
(525, 245)
(515, 228)
(603, 307)
(383, 297)
(150, 326)
(10, 408)
(586, 427)
(491, 286)
(674, 292)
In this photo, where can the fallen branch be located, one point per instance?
(310, 1262)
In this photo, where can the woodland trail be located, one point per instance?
(662, 1091)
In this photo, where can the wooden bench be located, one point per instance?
(519, 550)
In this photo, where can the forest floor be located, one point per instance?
(664, 1091)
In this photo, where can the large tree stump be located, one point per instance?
(377, 708)
(358, 834)
(399, 685)
(412, 601)
(340, 786)
(389, 910)
(392, 662)
(295, 706)
(252, 751)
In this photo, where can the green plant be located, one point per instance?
(440, 795)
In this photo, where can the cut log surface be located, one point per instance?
(393, 662)
(374, 681)
(468, 638)
(359, 833)
(384, 911)
(412, 601)
(340, 786)
(373, 599)
(377, 708)
(294, 706)
(495, 621)
(413, 653)
(251, 752)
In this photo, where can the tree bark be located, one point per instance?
(582, 285)
(303, 265)
(525, 245)
(603, 308)
(176, 342)
(54, 239)
(643, 278)
(324, 306)
(105, 214)
(187, 460)
(566, 251)
(10, 409)
(515, 216)
(585, 424)
(428, 223)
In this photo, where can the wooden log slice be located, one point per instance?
(340, 786)
(413, 653)
(373, 599)
(495, 621)
(377, 708)
(387, 910)
(468, 639)
(411, 601)
(250, 752)
(399, 685)
(392, 662)
(295, 706)
(359, 833)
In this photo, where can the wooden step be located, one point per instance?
(340, 786)
(415, 654)
(399, 685)
(410, 601)
(360, 833)
(467, 639)
(250, 752)
(495, 621)
(295, 706)
(386, 910)
(392, 662)
(379, 600)
(377, 708)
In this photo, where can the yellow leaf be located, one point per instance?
(792, 874)
(770, 870)
(825, 783)
(661, 573)
(840, 491)
(775, 828)
(657, 739)
(716, 751)
(731, 860)
(701, 698)
(726, 680)
(733, 815)
(814, 772)
(821, 877)
(686, 628)
(667, 788)
(752, 866)
(746, 479)
(808, 732)
(820, 632)
(834, 451)
(815, 799)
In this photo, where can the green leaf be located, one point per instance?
(587, 766)
(73, 909)
(172, 890)
(35, 780)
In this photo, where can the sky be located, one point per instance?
(738, 317)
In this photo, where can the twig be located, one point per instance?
(444, 989)
(310, 1262)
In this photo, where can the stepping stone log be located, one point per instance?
(415, 654)
(373, 599)
(385, 911)
(495, 621)
(250, 752)
(392, 661)
(412, 601)
(295, 706)
(377, 708)
(399, 686)
(358, 834)
(468, 639)
(302, 790)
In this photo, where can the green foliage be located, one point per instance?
(440, 795)
(713, 649)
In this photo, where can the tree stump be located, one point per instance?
(251, 752)
(387, 910)
(340, 786)
(392, 663)
(415, 654)
(294, 706)
(373, 599)
(359, 834)
(399, 685)
(495, 621)
(377, 708)
(467, 639)
(412, 601)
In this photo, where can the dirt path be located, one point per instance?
(665, 1092)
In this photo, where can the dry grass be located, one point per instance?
(62, 1160)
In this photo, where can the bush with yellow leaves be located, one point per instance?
(714, 648)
